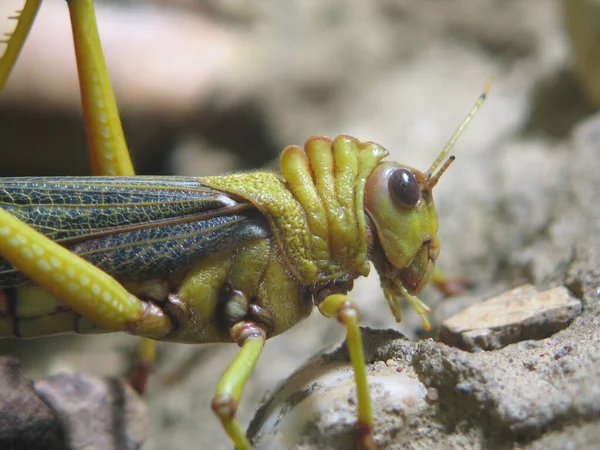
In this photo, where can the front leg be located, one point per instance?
(347, 313)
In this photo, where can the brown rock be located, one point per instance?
(68, 411)
(25, 420)
(96, 412)
(520, 314)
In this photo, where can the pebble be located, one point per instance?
(520, 314)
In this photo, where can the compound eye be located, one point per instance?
(404, 187)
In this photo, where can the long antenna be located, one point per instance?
(460, 129)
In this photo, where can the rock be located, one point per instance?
(68, 411)
(520, 314)
(96, 412)
(26, 422)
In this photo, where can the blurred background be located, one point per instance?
(209, 87)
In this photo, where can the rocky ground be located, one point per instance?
(520, 204)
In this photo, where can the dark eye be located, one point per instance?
(404, 187)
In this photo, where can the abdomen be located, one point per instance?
(29, 311)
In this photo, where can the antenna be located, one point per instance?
(457, 134)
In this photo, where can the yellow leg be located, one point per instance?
(78, 284)
(347, 313)
(106, 143)
(144, 365)
(251, 338)
(15, 42)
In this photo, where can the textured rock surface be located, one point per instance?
(68, 411)
(96, 412)
(25, 420)
(516, 315)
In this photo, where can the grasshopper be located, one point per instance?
(234, 258)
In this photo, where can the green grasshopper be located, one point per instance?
(235, 258)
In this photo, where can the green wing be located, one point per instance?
(133, 228)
